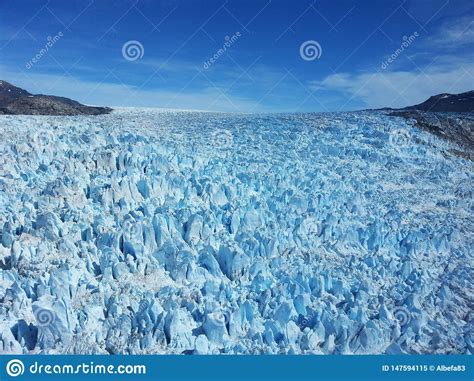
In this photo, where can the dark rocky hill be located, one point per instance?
(16, 101)
(449, 116)
(463, 102)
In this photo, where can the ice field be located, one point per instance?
(152, 231)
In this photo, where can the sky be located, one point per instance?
(239, 55)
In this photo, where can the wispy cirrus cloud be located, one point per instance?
(454, 33)
(434, 63)
(400, 88)
(206, 98)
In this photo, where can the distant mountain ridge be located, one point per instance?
(463, 102)
(16, 101)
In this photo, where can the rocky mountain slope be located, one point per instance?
(463, 102)
(449, 116)
(16, 101)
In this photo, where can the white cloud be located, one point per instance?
(396, 87)
(431, 11)
(400, 88)
(454, 33)
(114, 94)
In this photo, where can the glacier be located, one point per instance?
(155, 231)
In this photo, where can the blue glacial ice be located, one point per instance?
(150, 231)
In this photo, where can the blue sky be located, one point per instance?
(368, 53)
